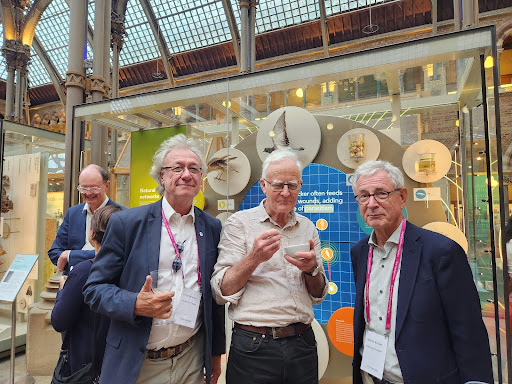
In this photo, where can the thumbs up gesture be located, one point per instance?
(149, 304)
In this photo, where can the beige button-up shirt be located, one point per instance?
(276, 294)
(380, 282)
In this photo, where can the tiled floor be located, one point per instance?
(20, 372)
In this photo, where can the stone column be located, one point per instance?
(99, 134)
(118, 34)
(75, 85)
(244, 36)
(456, 15)
(9, 92)
(18, 95)
(252, 34)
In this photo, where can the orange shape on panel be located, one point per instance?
(327, 254)
(321, 224)
(341, 331)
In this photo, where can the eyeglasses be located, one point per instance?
(278, 186)
(94, 190)
(178, 169)
(380, 197)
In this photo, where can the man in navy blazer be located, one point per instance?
(71, 245)
(417, 316)
(141, 240)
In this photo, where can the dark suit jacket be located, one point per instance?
(130, 250)
(71, 235)
(440, 335)
(71, 315)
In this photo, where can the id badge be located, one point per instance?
(187, 308)
(374, 354)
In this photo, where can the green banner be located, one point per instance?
(144, 145)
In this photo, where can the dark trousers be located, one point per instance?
(260, 359)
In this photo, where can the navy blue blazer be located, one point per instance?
(130, 250)
(440, 335)
(71, 235)
(71, 315)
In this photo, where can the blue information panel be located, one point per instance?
(328, 201)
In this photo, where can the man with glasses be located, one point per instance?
(417, 316)
(170, 234)
(71, 244)
(271, 293)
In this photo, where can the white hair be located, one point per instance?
(177, 141)
(370, 167)
(278, 155)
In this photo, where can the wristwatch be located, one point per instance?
(315, 271)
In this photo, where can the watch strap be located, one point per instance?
(314, 273)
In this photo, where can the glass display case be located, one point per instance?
(429, 106)
(31, 211)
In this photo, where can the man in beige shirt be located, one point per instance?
(271, 293)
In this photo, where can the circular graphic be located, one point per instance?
(427, 161)
(450, 231)
(357, 146)
(322, 346)
(330, 252)
(289, 127)
(229, 171)
(327, 254)
(322, 224)
(333, 288)
(223, 216)
(420, 194)
(340, 330)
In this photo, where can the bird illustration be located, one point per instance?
(221, 164)
(280, 137)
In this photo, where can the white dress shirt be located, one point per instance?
(183, 230)
(380, 282)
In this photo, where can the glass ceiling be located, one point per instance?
(185, 25)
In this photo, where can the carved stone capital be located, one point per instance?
(97, 84)
(118, 32)
(17, 55)
(75, 79)
(244, 3)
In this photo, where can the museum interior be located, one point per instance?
(424, 84)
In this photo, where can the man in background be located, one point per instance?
(71, 245)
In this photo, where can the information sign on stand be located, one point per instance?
(10, 285)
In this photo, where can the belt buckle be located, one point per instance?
(274, 333)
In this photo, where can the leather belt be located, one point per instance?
(166, 353)
(295, 329)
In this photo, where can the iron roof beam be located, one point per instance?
(50, 68)
(162, 46)
(235, 34)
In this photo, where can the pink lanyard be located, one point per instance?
(176, 249)
(393, 277)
